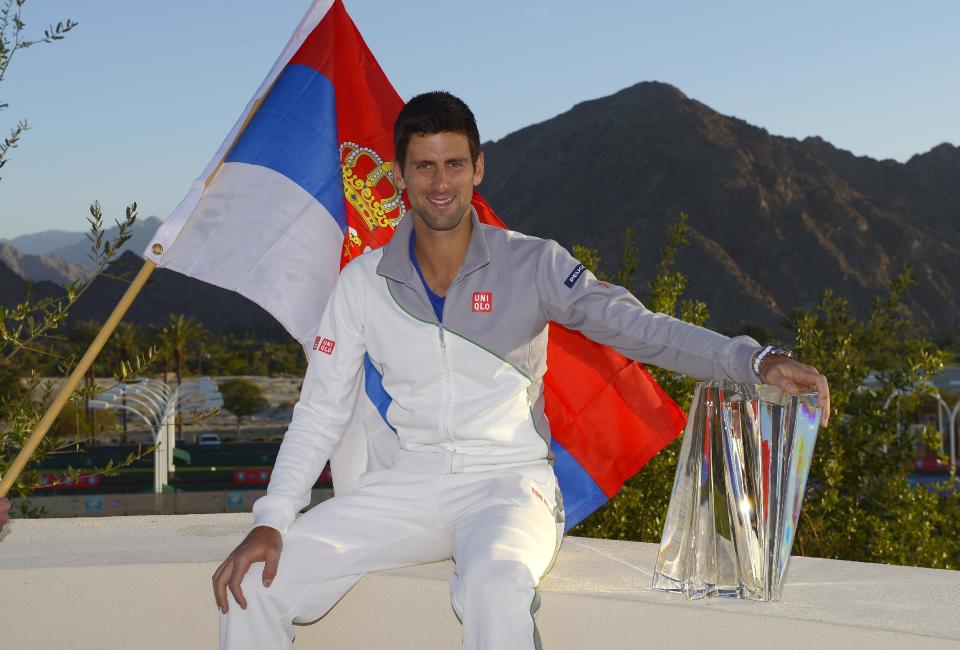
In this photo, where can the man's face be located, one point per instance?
(439, 177)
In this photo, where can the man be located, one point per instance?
(451, 318)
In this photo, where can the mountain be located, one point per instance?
(74, 247)
(14, 289)
(168, 292)
(42, 243)
(774, 221)
(78, 251)
(42, 267)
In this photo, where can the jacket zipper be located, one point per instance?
(447, 383)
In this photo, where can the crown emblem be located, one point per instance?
(369, 187)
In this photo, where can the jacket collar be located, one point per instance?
(396, 265)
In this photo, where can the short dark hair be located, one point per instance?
(434, 112)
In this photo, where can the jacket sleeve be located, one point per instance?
(330, 388)
(572, 296)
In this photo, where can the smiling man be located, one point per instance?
(449, 323)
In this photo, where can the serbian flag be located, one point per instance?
(303, 183)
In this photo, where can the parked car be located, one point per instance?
(211, 439)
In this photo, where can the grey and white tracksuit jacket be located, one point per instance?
(470, 476)
(469, 391)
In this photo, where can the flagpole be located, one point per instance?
(67, 388)
(10, 476)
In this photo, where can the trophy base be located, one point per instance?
(662, 582)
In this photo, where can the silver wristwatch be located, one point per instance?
(768, 351)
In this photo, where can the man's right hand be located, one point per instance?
(262, 544)
(4, 512)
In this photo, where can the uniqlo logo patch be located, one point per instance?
(482, 301)
(324, 345)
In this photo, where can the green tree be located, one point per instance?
(860, 504)
(242, 397)
(177, 337)
(81, 336)
(124, 345)
(29, 338)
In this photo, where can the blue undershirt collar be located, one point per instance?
(435, 300)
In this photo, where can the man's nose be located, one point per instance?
(441, 179)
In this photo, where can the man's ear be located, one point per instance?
(478, 170)
(398, 175)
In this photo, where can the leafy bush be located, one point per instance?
(860, 504)
(29, 338)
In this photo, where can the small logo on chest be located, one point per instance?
(324, 345)
(482, 301)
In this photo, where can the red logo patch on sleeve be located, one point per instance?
(326, 346)
(482, 301)
(316, 342)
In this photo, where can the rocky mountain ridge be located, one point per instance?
(42, 267)
(774, 221)
(74, 247)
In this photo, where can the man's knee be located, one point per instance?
(256, 595)
(497, 585)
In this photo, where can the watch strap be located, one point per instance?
(768, 351)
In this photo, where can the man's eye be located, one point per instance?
(424, 166)
(456, 163)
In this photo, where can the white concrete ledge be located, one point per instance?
(144, 582)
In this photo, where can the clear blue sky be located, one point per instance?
(133, 103)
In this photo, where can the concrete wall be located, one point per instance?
(167, 503)
(144, 582)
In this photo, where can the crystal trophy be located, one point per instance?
(737, 494)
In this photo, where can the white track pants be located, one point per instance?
(501, 529)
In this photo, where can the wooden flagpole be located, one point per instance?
(10, 476)
(67, 388)
(74, 379)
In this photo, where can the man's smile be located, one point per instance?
(440, 202)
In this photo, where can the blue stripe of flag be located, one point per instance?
(581, 494)
(294, 133)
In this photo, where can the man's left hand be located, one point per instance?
(791, 377)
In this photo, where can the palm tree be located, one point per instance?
(179, 333)
(124, 346)
(177, 336)
(164, 353)
(82, 336)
